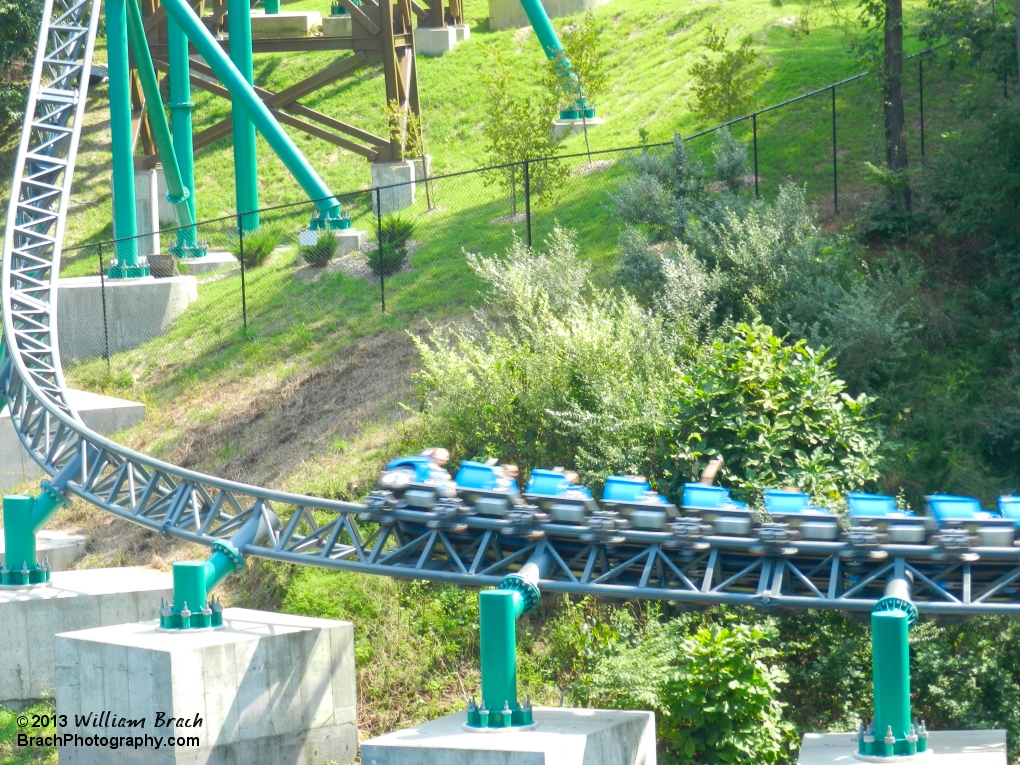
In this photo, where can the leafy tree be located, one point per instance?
(404, 128)
(985, 32)
(725, 83)
(516, 128)
(19, 31)
(587, 62)
(778, 416)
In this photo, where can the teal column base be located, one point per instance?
(334, 220)
(575, 114)
(24, 515)
(189, 251)
(192, 608)
(117, 271)
(39, 574)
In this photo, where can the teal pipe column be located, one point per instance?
(890, 655)
(176, 192)
(272, 7)
(245, 157)
(125, 224)
(497, 617)
(180, 123)
(24, 516)
(244, 95)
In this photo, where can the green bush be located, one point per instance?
(256, 245)
(720, 701)
(776, 414)
(731, 166)
(396, 233)
(562, 374)
(323, 251)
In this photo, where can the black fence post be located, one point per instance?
(527, 201)
(102, 295)
(240, 250)
(920, 88)
(382, 268)
(835, 178)
(754, 128)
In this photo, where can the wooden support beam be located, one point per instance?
(421, 13)
(289, 119)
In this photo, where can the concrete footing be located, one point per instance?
(58, 547)
(393, 197)
(337, 26)
(283, 24)
(74, 600)
(563, 737)
(560, 127)
(137, 310)
(434, 41)
(351, 239)
(945, 747)
(103, 414)
(209, 264)
(509, 14)
(265, 688)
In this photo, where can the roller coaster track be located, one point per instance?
(681, 563)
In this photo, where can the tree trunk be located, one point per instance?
(895, 123)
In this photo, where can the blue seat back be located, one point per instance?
(476, 475)
(949, 507)
(708, 497)
(547, 482)
(779, 501)
(422, 466)
(1009, 507)
(621, 488)
(871, 505)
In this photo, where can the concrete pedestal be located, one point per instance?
(103, 414)
(337, 26)
(136, 311)
(267, 688)
(74, 600)
(210, 264)
(393, 197)
(563, 737)
(508, 14)
(463, 32)
(434, 41)
(947, 747)
(283, 24)
(561, 127)
(351, 239)
(59, 548)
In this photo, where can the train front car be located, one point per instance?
(963, 522)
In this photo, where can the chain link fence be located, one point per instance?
(280, 291)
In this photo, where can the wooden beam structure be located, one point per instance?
(382, 33)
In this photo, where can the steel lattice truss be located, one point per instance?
(681, 563)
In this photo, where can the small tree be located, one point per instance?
(724, 83)
(587, 62)
(516, 128)
(404, 127)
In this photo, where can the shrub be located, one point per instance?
(724, 84)
(257, 245)
(719, 703)
(730, 161)
(396, 233)
(323, 251)
(776, 414)
(562, 374)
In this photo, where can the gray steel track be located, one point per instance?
(471, 550)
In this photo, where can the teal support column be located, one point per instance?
(553, 48)
(245, 158)
(125, 224)
(176, 192)
(180, 123)
(891, 732)
(24, 516)
(243, 95)
(192, 607)
(497, 615)
(272, 7)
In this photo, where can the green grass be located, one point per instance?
(10, 752)
(651, 47)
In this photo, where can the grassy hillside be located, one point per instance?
(651, 46)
